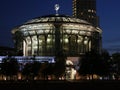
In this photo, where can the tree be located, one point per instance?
(60, 64)
(104, 64)
(31, 70)
(89, 64)
(48, 70)
(10, 67)
(95, 63)
(116, 64)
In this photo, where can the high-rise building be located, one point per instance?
(86, 10)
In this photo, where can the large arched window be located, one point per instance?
(42, 44)
(73, 44)
(80, 44)
(50, 44)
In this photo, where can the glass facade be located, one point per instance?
(47, 35)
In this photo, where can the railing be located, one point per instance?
(24, 59)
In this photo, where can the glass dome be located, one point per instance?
(48, 35)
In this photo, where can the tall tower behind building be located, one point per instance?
(86, 10)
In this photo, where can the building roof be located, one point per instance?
(56, 18)
(47, 20)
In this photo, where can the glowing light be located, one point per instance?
(66, 40)
(85, 42)
(48, 40)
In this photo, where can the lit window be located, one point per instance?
(89, 10)
(66, 40)
(48, 40)
(85, 42)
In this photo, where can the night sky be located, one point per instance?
(17, 12)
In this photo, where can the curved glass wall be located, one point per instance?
(47, 36)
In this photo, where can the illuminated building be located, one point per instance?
(48, 35)
(86, 10)
(51, 35)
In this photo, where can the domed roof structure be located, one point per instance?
(47, 35)
(58, 19)
(54, 18)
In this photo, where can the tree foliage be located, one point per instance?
(94, 63)
(9, 66)
(60, 64)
